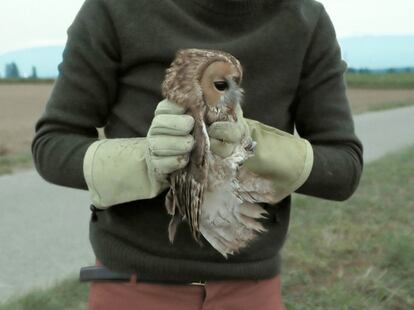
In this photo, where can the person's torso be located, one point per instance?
(271, 44)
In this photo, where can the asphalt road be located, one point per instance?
(44, 227)
(43, 232)
(385, 131)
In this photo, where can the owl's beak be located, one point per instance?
(224, 97)
(232, 97)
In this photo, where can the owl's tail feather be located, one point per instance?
(252, 210)
(229, 240)
(218, 243)
(192, 206)
(187, 196)
(251, 223)
(172, 227)
(230, 227)
(170, 204)
(248, 215)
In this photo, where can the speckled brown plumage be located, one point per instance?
(182, 86)
(206, 193)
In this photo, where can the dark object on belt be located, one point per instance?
(101, 273)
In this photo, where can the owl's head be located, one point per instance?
(205, 78)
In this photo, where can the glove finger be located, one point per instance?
(168, 107)
(174, 125)
(162, 145)
(226, 131)
(221, 148)
(168, 164)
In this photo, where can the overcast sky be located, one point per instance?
(27, 23)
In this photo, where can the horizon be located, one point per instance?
(350, 18)
(62, 44)
(353, 20)
(377, 53)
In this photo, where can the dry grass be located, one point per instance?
(20, 105)
(365, 100)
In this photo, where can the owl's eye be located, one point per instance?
(221, 85)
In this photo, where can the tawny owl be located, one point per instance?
(206, 193)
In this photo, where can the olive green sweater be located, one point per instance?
(113, 65)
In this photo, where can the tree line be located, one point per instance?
(12, 72)
(376, 71)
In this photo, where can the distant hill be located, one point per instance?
(371, 52)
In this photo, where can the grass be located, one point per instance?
(11, 163)
(379, 106)
(381, 80)
(356, 254)
(67, 295)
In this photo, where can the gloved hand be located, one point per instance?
(169, 140)
(281, 158)
(225, 135)
(122, 170)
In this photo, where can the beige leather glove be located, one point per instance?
(122, 170)
(281, 158)
(225, 136)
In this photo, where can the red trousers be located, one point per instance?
(215, 295)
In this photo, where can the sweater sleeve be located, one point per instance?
(81, 97)
(324, 118)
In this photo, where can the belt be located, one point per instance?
(101, 273)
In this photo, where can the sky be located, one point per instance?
(44, 22)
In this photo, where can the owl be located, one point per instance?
(209, 193)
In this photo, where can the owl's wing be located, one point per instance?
(254, 189)
(171, 206)
(185, 196)
(228, 223)
(188, 185)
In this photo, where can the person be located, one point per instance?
(113, 65)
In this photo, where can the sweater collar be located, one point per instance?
(233, 7)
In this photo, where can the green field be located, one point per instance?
(67, 295)
(381, 80)
(356, 254)
(11, 163)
